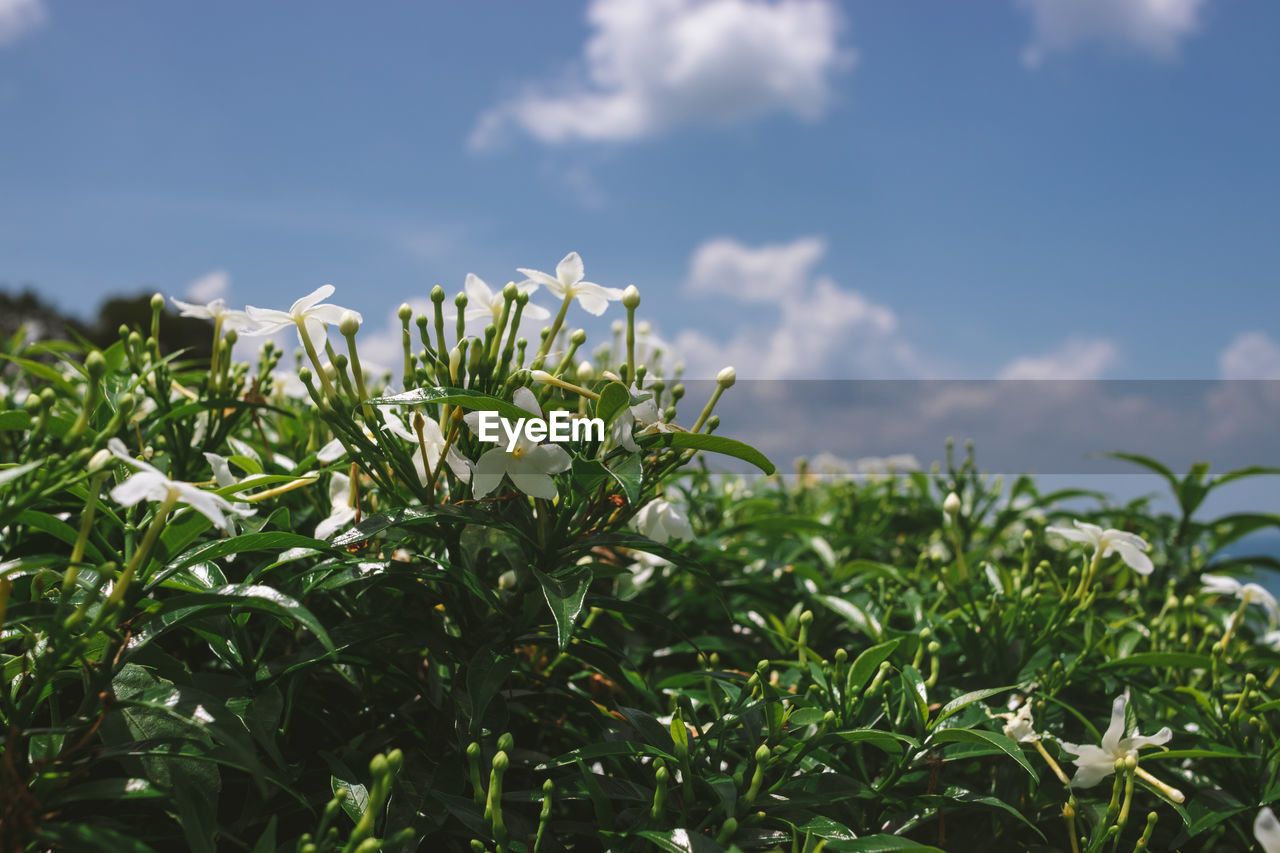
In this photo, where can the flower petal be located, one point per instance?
(1136, 560)
(549, 458)
(1115, 731)
(551, 283)
(331, 314)
(1267, 830)
(525, 399)
(1160, 738)
(479, 294)
(534, 484)
(316, 296)
(189, 309)
(489, 471)
(142, 486)
(570, 270)
(1221, 585)
(1073, 535)
(331, 452)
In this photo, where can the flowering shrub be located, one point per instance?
(314, 610)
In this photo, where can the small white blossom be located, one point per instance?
(567, 283)
(1095, 763)
(643, 414)
(528, 465)
(1131, 547)
(1249, 593)
(1020, 726)
(662, 521)
(432, 437)
(150, 484)
(341, 511)
(310, 313)
(484, 303)
(216, 310)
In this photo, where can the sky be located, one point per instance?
(803, 188)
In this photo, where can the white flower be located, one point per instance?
(150, 484)
(1267, 830)
(223, 477)
(1129, 546)
(1249, 593)
(1271, 640)
(661, 521)
(1020, 726)
(486, 304)
(1095, 763)
(309, 312)
(341, 511)
(528, 465)
(644, 413)
(216, 311)
(432, 437)
(567, 283)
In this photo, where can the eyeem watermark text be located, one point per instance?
(560, 428)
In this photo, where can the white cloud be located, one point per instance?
(769, 273)
(1078, 358)
(653, 65)
(822, 330)
(1250, 355)
(210, 286)
(19, 17)
(1154, 27)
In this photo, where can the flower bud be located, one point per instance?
(501, 762)
(725, 378)
(349, 323)
(99, 461)
(460, 301)
(157, 302)
(541, 376)
(951, 506)
(510, 291)
(404, 312)
(586, 372)
(578, 338)
(631, 298)
(437, 294)
(95, 365)
(506, 742)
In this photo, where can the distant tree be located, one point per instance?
(45, 322)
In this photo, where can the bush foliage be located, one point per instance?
(249, 610)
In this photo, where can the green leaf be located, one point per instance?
(224, 601)
(565, 596)
(865, 665)
(859, 618)
(915, 686)
(629, 472)
(614, 397)
(890, 742)
(961, 702)
(880, 844)
(713, 443)
(1146, 660)
(244, 543)
(473, 400)
(14, 420)
(681, 841)
(1006, 745)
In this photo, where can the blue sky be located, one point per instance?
(1017, 188)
